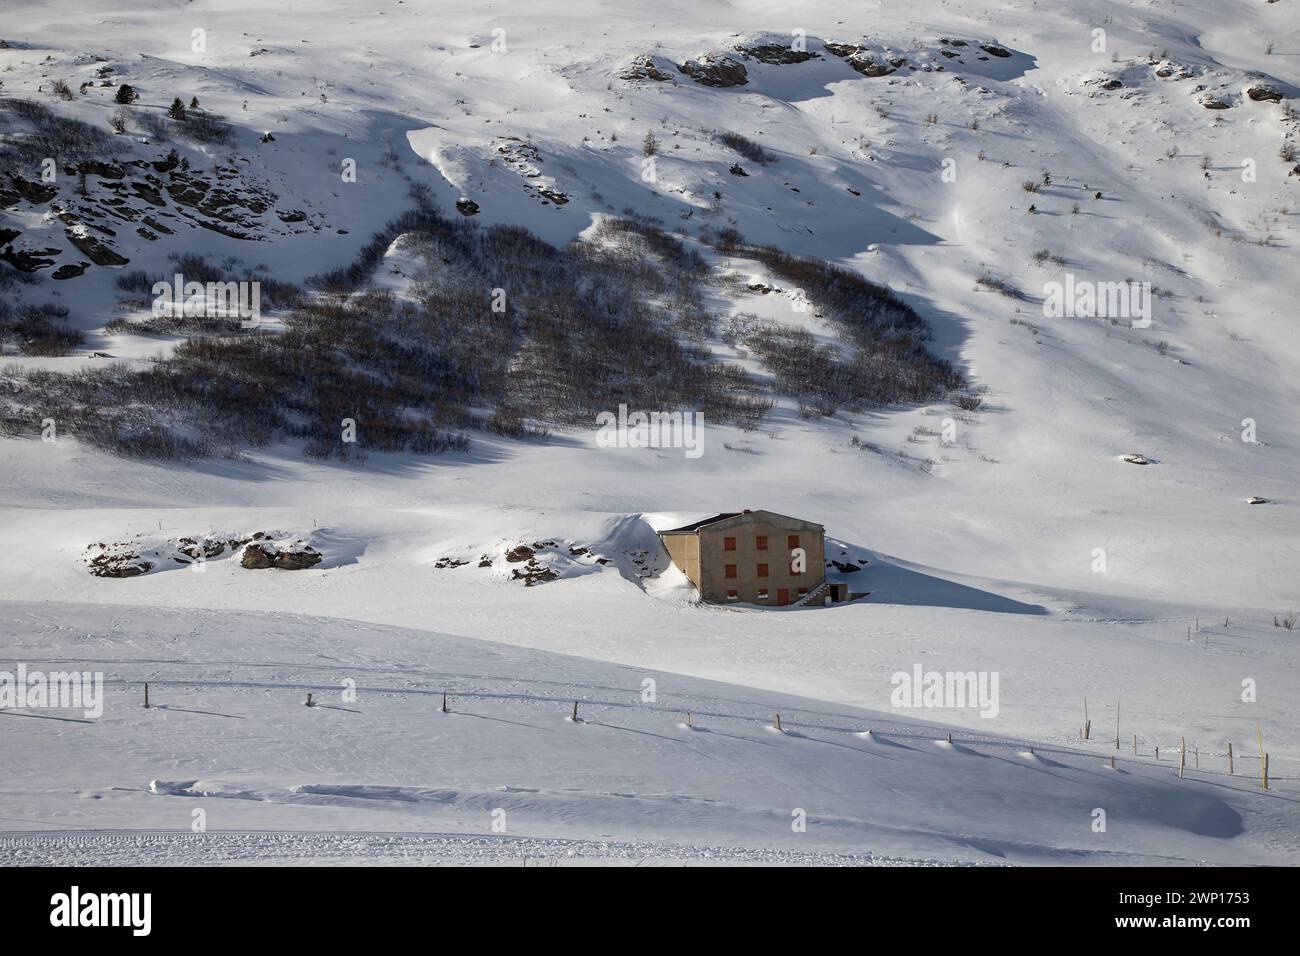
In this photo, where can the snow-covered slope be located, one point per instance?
(981, 527)
(657, 766)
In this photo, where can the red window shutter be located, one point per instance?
(794, 540)
(733, 593)
(762, 570)
(731, 570)
(760, 542)
(728, 544)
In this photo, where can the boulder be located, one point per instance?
(774, 52)
(300, 560)
(258, 557)
(716, 70)
(1261, 93)
(644, 67)
(118, 565)
(96, 251)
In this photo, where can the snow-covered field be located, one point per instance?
(982, 551)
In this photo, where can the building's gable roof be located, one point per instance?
(733, 518)
(696, 525)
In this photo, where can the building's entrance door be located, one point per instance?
(782, 595)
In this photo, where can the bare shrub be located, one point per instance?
(745, 147)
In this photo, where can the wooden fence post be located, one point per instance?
(1230, 760)
(146, 695)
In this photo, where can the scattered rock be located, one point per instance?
(35, 193)
(1263, 93)
(997, 51)
(1133, 458)
(68, 271)
(258, 557)
(105, 170)
(1214, 103)
(451, 563)
(1256, 500)
(466, 206)
(96, 251)
(534, 572)
(645, 67)
(119, 564)
(519, 553)
(717, 70)
(300, 560)
(774, 52)
(736, 170)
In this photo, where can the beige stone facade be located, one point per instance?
(752, 557)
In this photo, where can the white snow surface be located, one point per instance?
(981, 554)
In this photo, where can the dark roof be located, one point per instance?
(696, 525)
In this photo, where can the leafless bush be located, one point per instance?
(155, 124)
(999, 285)
(206, 127)
(36, 330)
(746, 147)
(62, 138)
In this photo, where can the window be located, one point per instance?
(762, 570)
(728, 544)
(793, 541)
(802, 592)
(762, 594)
(731, 570)
(760, 542)
(733, 595)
